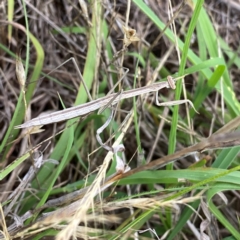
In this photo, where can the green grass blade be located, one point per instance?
(19, 112)
(4, 172)
(202, 93)
(222, 219)
(185, 216)
(10, 17)
(173, 131)
(226, 157)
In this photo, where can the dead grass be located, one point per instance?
(76, 190)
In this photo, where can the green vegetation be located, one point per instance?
(61, 182)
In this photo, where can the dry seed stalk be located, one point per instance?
(20, 72)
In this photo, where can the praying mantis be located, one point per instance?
(114, 98)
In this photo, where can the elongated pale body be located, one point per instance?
(89, 107)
